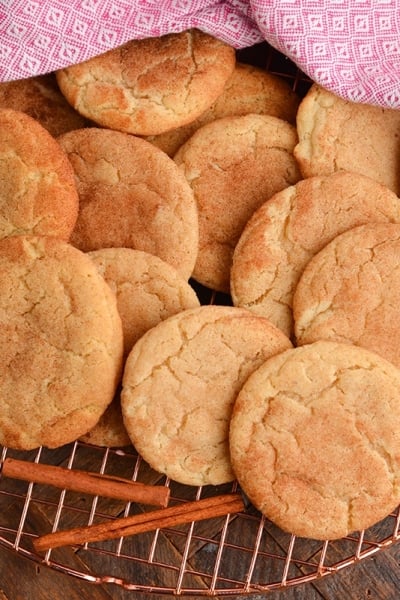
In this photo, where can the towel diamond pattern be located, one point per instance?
(352, 47)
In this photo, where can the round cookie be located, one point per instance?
(60, 343)
(179, 385)
(41, 98)
(248, 90)
(37, 192)
(150, 85)
(336, 134)
(349, 291)
(131, 195)
(314, 439)
(148, 290)
(287, 230)
(234, 165)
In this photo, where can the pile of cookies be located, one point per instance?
(172, 163)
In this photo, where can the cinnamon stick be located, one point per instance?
(86, 482)
(207, 508)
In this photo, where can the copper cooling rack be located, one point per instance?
(242, 553)
(237, 554)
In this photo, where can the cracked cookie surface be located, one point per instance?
(151, 85)
(40, 98)
(37, 193)
(131, 195)
(179, 384)
(349, 291)
(248, 90)
(234, 165)
(336, 134)
(291, 227)
(315, 441)
(148, 290)
(60, 343)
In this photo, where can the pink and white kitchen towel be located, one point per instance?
(351, 47)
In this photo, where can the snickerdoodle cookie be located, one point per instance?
(41, 98)
(287, 230)
(37, 187)
(248, 90)
(337, 134)
(314, 439)
(234, 165)
(131, 194)
(179, 385)
(349, 291)
(148, 86)
(148, 290)
(60, 342)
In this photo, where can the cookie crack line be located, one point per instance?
(380, 451)
(266, 295)
(194, 69)
(33, 176)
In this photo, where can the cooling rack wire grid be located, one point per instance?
(237, 554)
